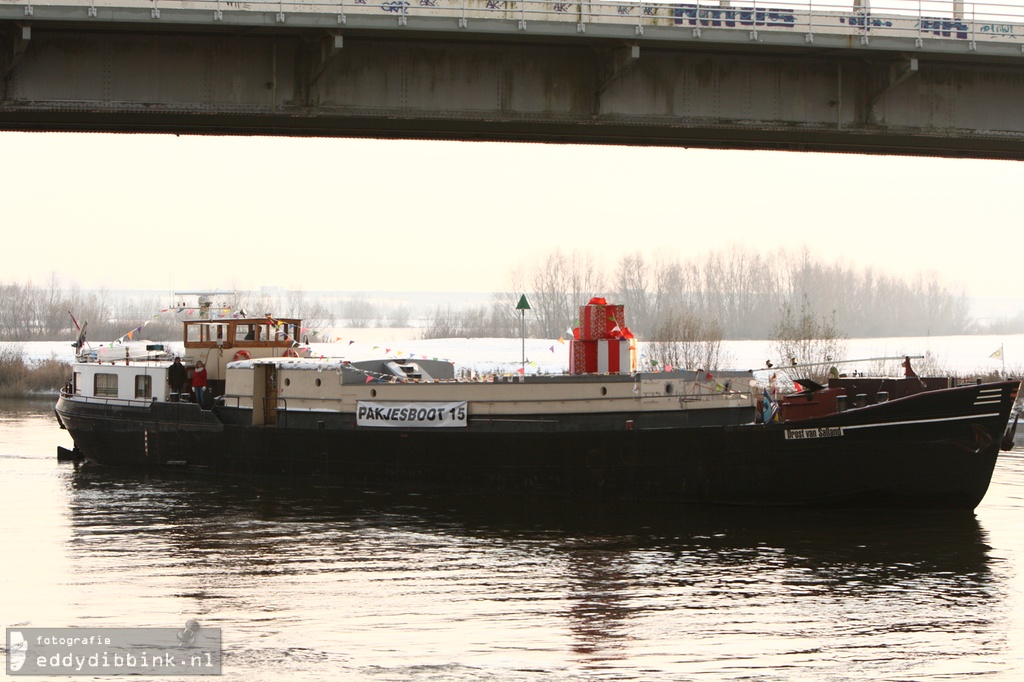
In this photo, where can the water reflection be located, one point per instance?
(311, 582)
(619, 587)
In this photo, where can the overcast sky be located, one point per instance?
(165, 212)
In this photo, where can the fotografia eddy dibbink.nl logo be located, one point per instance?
(191, 650)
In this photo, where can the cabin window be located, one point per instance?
(143, 386)
(105, 385)
(76, 383)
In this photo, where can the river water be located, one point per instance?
(310, 582)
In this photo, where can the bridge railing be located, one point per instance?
(952, 20)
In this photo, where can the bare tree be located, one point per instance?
(53, 315)
(633, 291)
(396, 316)
(359, 312)
(559, 286)
(802, 338)
(686, 342)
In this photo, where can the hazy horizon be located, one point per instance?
(164, 213)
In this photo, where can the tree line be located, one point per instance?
(738, 294)
(731, 294)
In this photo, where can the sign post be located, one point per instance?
(522, 307)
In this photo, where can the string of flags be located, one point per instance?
(130, 335)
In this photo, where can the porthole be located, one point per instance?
(604, 390)
(318, 383)
(668, 389)
(287, 382)
(373, 393)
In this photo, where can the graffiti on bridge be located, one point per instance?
(706, 17)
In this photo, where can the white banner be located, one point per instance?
(411, 414)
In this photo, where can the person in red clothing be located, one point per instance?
(199, 382)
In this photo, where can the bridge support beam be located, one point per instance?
(459, 83)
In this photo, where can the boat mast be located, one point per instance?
(522, 307)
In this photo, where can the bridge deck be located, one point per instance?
(943, 78)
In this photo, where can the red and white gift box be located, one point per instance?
(602, 356)
(601, 320)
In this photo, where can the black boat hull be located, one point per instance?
(934, 450)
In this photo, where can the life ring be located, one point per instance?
(243, 355)
(291, 353)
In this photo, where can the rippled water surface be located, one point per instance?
(311, 582)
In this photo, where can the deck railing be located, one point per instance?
(936, 19)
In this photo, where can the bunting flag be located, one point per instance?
(130, 335)
(998, 354)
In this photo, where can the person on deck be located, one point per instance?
(176, 375)
(199, 382)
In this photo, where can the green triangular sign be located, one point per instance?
(523, 303)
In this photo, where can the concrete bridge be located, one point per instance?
(946, 81)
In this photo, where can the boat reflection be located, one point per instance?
(319, 555)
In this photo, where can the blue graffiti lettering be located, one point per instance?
(944, 28)
(495, 4)
(624, 9)
(398, 6)
(428, 3)
(563, 7)
(694, 15)
(865, 21)
(999, 29)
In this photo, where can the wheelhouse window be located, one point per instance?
(206, 332)
(76, 383)
(143, 386)
(105, 385)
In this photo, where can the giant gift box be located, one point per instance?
(604, 356)
(599, 319)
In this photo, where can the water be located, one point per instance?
(312, 583)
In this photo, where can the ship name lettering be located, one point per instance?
(411, 414)
(820, 432)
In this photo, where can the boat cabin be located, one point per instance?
(139, 371)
